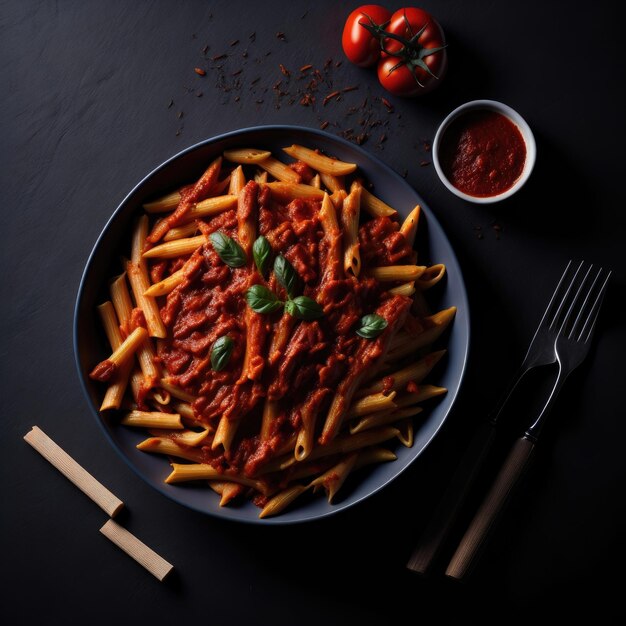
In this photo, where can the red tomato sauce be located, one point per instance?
(482, 153)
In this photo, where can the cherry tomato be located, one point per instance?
(412, 70)
(361, 47)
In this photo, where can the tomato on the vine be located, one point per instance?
(414, 57)
(360, 46)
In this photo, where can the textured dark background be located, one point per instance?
(96, 94)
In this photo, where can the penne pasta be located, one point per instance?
(139, 283)
(237, 181)
(290, 191)
(332, 479)
(409, 226)
(397, 272)
(280, 171)
(200, 471)
(181, 232)
(406, 289)
(164, 445)
(282, 500)
(382, 419)
(320, 162)
(333, 183)
(372, 404)
(375, 206)
(350, 221)
(176, 248)
(163, 287)
(246, 155)
(152, 419)
(124, 353)
(431, 276)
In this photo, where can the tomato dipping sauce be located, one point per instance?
(482, 153)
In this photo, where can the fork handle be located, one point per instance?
(447, 511)
(478, 531)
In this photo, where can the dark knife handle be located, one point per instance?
(447, 511)
(475, 537)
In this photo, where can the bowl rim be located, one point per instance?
(462, 301)
(517, 119)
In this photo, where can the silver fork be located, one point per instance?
(571, 346)
(541, 352)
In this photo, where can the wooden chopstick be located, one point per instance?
(107, 501)
(138, 550)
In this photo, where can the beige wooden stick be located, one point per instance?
(144, 555)
(108, 502)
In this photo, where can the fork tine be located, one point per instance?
(574, 303)
(557, 313)
(593, 314)
(582, 309)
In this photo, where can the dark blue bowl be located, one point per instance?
(433, 245)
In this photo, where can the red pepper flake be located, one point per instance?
(323, 125)
(256, 80)
(234, 42)
(426, 146)
(179, 115)
(284, 70)
(277, 84)
(327, 63)
(383, 138)
(387, 104)
(199, 71)
(237, 98)
(236, 73)
(307, 100)
(281, 36)
(424, 163)
(351, 88)
(218, 57)
(330, 96)
(205, 49)
(171, 103)
(338, 64)
(304, 68)
(244, 54)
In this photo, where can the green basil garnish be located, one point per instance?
(261, 250)
(228, 249)
(262, 300)
(304, 308)
(221, 351)
(286, 275)
(371, 326)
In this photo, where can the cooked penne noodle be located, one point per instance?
(124, 353)
(406, 433)
(227, 490)
(210, 206)
(270, 409)
(280, 171)
(164, 203)
(409, 226)
(375, 206)
(139, 284)
(320, 162)
(415, 372)
(332, 479)
(201, 471)
(225, 433)
(152, 419)
(115, 391)
(237, 181)
(140, 232)
(372, 455)
(163, 287)
(161, 396)
(247, 217)
(423, 393)
(406, 289)
(350, 222)
(260, 177)
(282, 500)
(122, 303)
(372, 404)
(176, 248)
(333, 183)
(246, 155)
(382, 419)
(316, 182)
(431, 276)
(192, 438)
(177, 392)
(164, 445)
(185, 410)
(402, 273)
(181, 232)
(404, 344)
(290, 191)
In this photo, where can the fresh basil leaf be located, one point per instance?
(228, 249)
(304, 308)
(262, 300)
(286, 275)
(371, 326)
(261, 250)
(221, 351)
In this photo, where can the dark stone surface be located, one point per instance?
(96, 94)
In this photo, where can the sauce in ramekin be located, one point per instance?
(482, 153)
